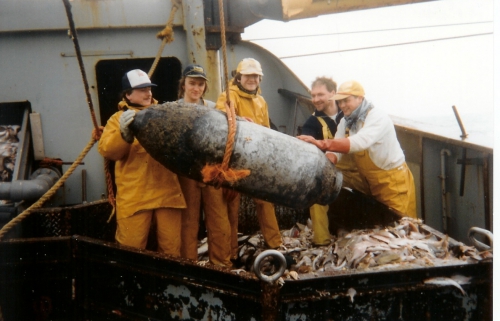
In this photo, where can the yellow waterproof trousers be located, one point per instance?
(218, 221)
(394, 188)
(268, 223)
(190, 218)
(133, 230)
(350, 175)
(233, 208)
(319, 218)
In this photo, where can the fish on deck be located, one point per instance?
(377, 249)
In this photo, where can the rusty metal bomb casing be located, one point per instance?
(284, 170)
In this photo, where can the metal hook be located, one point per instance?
(273, 277)
(478, 244)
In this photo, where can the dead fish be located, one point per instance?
(329, 258)
(378, 249)
(292, 242)
(304, 269)
(461, 279)
(300, 226)
(388, 258)
(306, 260)
(254, 240)
(351, 293)
(336, 268)
(444, 281)
(203, 248)
(384, 233)
(417, 236)
(358, 251)
(316, 262)
(243, 238)
(294, 275)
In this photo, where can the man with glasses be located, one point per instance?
(367, 135)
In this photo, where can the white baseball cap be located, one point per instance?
(136, 79)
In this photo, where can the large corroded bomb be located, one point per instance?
(284, 170)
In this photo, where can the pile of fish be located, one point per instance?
(8, 151)
(404, 245)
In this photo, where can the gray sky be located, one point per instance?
(419, 82)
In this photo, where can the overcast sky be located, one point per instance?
(421, 78)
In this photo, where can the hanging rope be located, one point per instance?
(220, 173)
(167, 35)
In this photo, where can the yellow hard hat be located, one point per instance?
(249, 66)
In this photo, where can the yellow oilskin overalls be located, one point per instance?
(144, 188)
(254, 107)
(394, 188)
(219, 219)
(319, 213)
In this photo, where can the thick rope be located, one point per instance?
(109, 184)
(220, 173)
(167, 35)
(49, 193)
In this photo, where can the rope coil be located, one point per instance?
(167, 35)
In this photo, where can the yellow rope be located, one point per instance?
(167, 34)
(49, 193)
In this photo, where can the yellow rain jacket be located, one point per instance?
(141, 182)
(246, 105)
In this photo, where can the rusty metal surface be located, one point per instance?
(88, 219)
(391, 295)
(36, 279)
(114, 280)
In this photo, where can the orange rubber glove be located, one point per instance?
(331, 157)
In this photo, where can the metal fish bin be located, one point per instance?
(67, 266)
(14, 151)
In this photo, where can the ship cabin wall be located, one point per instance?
(468, 192)
(41, 68)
